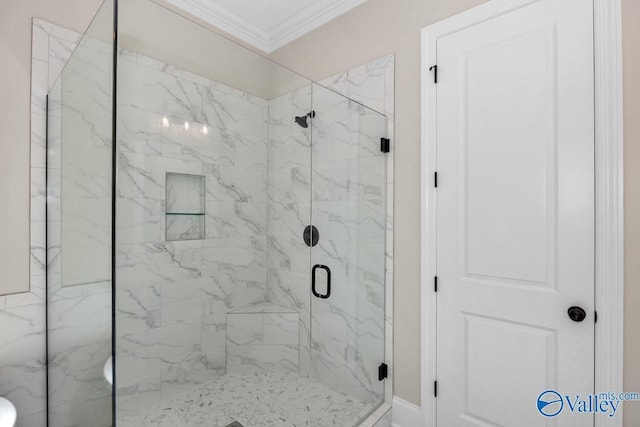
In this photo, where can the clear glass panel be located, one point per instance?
(348, 207)
(79, 190)
(214, 308)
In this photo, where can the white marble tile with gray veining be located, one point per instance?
(245, 328)
(288, 253)
(38, 194)
(368, 87)
(185, 193)
(77, 373)
(183, 363)
(87, 98)
(288, 218)
(40, 41)
(60, 49)
(146, 264)
(195, 298)
(185, 227)
(289, 144)
(77, 322)
(213, 340)
(157, 91)
(290, 184)
(281, 329)
(138, 309)
(238, 265)
(239, 122)
(138, 361)
(23, 334)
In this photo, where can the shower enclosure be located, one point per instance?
(216, 234)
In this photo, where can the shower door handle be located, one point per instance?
(313, 281)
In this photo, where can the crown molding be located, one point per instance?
(307, 21)
(294, 27)
(227, 21)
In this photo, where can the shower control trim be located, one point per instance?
(310, 236)
(313, 281)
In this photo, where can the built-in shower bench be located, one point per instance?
(262, 337)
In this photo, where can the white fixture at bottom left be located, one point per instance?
(8, 413)
(107, 372)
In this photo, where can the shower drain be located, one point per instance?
(235, 424)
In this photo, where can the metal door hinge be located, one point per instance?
(383, 371)
(435, 179)
(435, 389)
(434, 68)
(595, 316)
(385, 145)
(435, 284)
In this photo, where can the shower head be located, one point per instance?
(302, 120)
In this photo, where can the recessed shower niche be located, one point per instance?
(185, 206)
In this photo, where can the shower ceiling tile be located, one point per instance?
(267, 25)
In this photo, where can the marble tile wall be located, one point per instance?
(84, 162)
(289, 212)
(262, 338)
(155, 140)
(173, 296)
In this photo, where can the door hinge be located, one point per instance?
(435, 179)
(595, 316)
(383, 371)
(435, 389)
(434, 68)
(435, 284)
(385, 145)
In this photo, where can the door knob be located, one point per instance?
(577, 314)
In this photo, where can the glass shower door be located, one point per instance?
(348, 208)
(79, 191)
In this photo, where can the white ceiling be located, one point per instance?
(267, 24)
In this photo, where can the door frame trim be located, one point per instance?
(609, 196)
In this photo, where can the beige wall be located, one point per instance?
(15, 91)
(382, 26)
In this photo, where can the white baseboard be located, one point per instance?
(405, 414)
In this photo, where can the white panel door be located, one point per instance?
(515, 215)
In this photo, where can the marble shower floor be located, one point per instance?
(254, 400)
